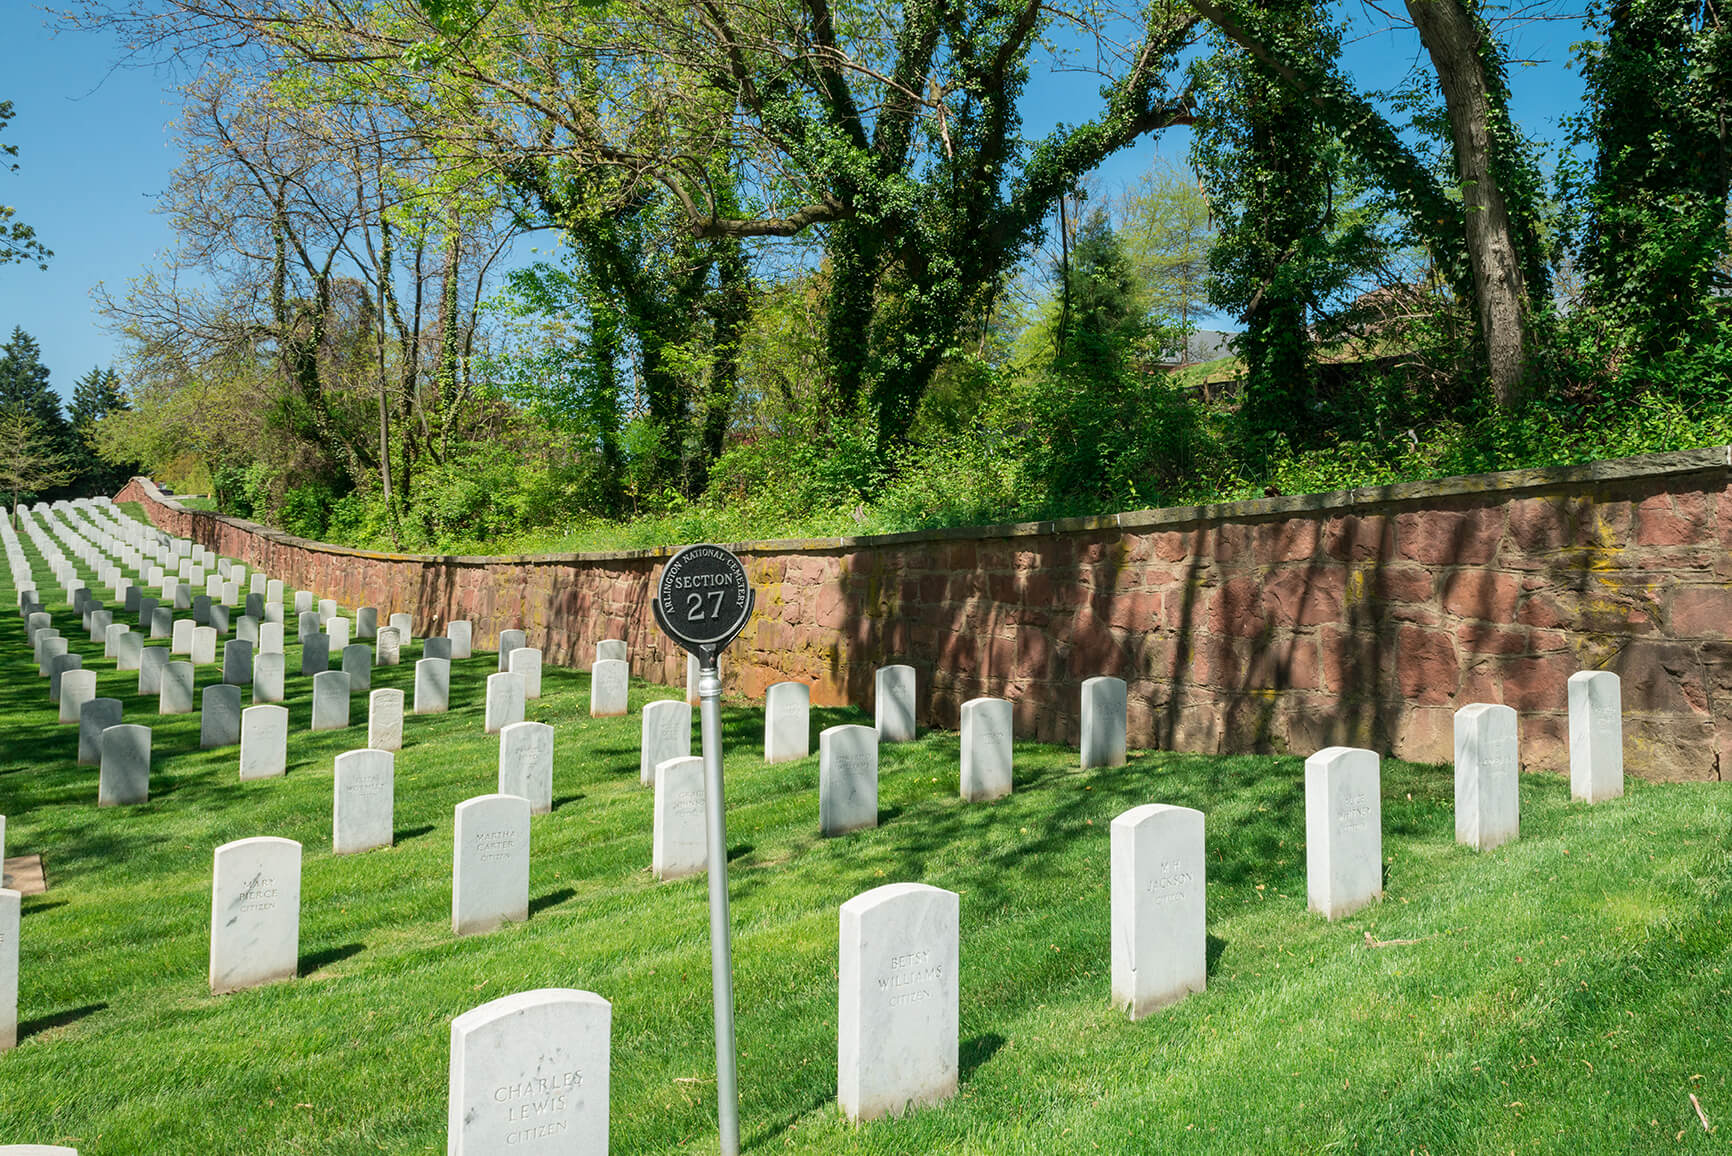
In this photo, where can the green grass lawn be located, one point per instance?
(1565, 993)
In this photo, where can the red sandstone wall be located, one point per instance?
(1364, 617)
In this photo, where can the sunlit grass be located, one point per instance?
(1567, 992)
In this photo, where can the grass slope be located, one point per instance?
(1566, 993)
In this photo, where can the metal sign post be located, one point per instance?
(702, 602)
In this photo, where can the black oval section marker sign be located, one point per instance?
(704, 598)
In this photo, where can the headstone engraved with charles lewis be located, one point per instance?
(1343, 830)
(361, 810)
(1160, 944)
(1487, 785)
(490, 863)
(847, 779)
(1596, 736)
(897, 1014)
(666, 733)
(255, 913)
(679, 845)
(787, 722)
(986, 749)
(529, 1073)
(526, 764)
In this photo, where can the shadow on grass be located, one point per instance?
(58, 1020)
(763, 1139)
(46, 905)
(551, 899)
(318, 959)
(564, 799)
(975, 1052)
(408, 833)
(1212, 953)
(740, 849)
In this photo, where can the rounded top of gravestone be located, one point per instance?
(704, 597)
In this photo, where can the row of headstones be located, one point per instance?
(898, 958)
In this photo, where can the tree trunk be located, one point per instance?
(1450, 36)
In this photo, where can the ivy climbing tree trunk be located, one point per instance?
(1451, 38)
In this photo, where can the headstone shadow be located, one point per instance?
(551, 899)
(315, 960)
(29, 1028)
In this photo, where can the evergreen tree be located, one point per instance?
(96, 395)
(24, 380)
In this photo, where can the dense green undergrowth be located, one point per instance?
(1567, 992)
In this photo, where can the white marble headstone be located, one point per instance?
(264, 742)
(680, 843)
(608, 684)
(462, 634)
(847, 779)
(893, 704)
(10, 909)
(529, 1073)
(330, 700)
(77, 687)
(525, 663)
(526, 764)
(387, 646)
(1103, 722)
(897, 1014)
(1160, 944)
(490, 863)
(255, 913)
(510, 640)
(1343, 830)
(385, 719)
(611, 648)
(268, 676)
(666, 733)
(986, 749)
(504, 702)
(1596, 736)
(1487, 789)
(361, 811)
(787, 722)
(270, 638)
(432, 685)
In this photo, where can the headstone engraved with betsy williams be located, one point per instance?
(703, 600)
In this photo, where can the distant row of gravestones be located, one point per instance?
(897, 1026)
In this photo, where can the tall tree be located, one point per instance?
(1468, 255)
(1657, 121)
(24, 380)
(32, 458)
(1168, 233)
(94, 396)
(18, 241)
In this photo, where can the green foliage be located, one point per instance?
(1655, 197)
(18, 241)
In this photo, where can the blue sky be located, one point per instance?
(94, 150)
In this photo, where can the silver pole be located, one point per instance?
(721, 938)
